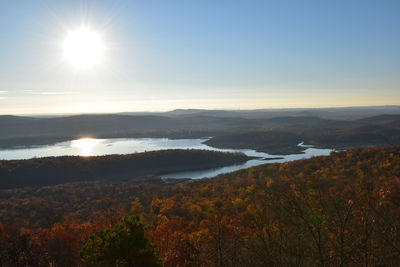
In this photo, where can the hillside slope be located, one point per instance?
(39, 172)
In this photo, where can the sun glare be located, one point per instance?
(85, 145)
(83, 48)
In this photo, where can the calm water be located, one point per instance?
(94, 147)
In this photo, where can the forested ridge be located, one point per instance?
(57, 170)
(338, 210)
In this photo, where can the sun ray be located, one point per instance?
(83, 48)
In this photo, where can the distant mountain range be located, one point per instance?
(345, 113)
(277, 131)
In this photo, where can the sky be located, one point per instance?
(211, 54)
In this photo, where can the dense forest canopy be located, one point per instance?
(338, 210)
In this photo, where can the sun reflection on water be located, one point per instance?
(85, 145)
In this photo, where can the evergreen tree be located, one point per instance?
(122, 245)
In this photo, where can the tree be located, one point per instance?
(124, 244)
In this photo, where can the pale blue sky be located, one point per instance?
(210, 54)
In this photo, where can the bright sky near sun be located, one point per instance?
(112, 56)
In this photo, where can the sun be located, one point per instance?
(83, 48)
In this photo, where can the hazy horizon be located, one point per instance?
(235, 55)
(381, 107)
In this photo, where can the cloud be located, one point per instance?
(3, 97)
(47, 92)
(3, 92)
(55, 93)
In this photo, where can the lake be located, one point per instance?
(96, 147)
